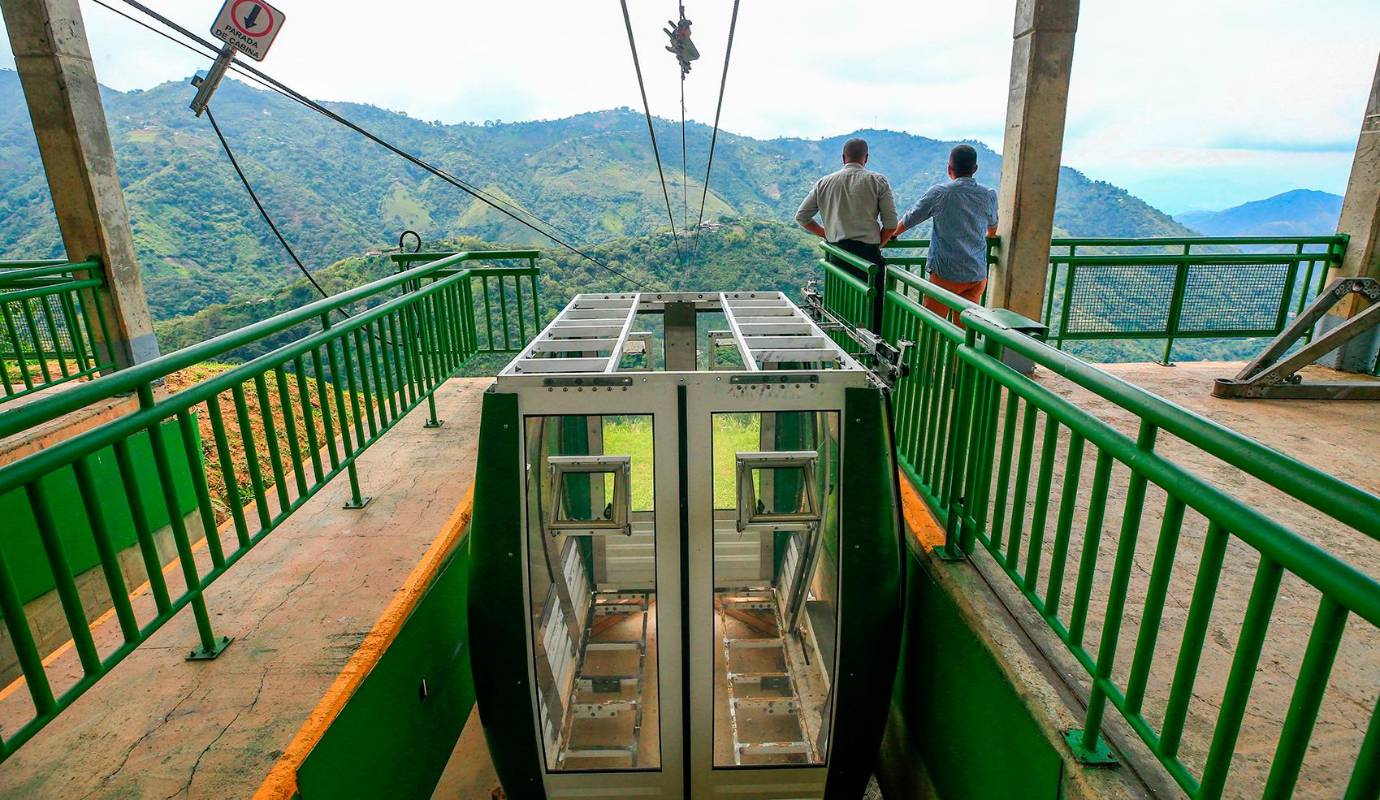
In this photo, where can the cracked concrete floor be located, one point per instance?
(297, 605)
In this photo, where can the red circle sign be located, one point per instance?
(263, 8)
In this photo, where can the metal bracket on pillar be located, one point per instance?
(206, 86)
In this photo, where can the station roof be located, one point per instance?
(760, 331)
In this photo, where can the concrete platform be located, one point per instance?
(298, 605)
(1340, 437)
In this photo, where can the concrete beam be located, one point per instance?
(53, 58)
(1041, 62)
(1360, 220)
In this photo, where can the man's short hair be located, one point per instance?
(855, 150)
(963, 159)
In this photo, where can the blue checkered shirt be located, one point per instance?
(962, 210)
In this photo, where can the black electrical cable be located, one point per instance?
(651, 132)
(234, 162)
(714, 139)
(458, 183)
(235, 67)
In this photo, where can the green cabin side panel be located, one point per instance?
(496, 612)
(958, 730)
(871, 620)
(391, 739)
(23, 549)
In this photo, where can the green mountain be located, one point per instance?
(775, 255)
(1300, 212)
(336, 195)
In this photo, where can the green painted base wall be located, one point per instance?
(388, 741)
(23, 548)
(958, 730)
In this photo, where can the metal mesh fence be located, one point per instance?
(39, 323)
(1114, 299)
(1234, 297)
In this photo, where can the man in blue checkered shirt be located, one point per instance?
(965, 214)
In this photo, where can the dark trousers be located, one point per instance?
(871, 252)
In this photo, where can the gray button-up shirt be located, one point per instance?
(963, 210)
(849, 202)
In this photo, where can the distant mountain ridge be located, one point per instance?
(335, 195)
(1300, 212)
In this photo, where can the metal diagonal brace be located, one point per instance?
(1271, 376)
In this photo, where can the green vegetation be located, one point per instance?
(212, 266)
(200, 241)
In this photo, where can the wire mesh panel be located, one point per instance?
(45, 335)
(1236, 298)
(1119, 299)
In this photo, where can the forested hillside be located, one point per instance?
(740, 253)
(336, 195)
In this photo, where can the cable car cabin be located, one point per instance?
(686, 555)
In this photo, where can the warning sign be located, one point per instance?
(249, 26)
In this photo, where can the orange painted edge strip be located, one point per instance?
(281, 783)
(926, 529)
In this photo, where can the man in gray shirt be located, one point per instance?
(965, 214)
(850, 202)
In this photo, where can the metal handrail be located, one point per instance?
(1083, 316)
(956, 441)
(129, 380)
(338, 390)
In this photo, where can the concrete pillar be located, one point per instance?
(1041, 61)
(1360, 220)
(59, 79)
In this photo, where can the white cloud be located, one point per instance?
(1184, 101)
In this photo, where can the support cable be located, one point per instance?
(281, 88)
(651, 132)
(714, 139)
(234, 162)
(684, 170)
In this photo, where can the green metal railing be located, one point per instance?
(48, 336)
(1168, 289)
(966, 435)
(321, 401)
(848, 291)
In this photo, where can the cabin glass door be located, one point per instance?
(592, 556)
(774, 607)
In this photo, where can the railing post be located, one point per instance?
(1070, 270)
(959, 431)
(1176, 307)
(1087, 744)
(876, 295)
(357, 498)
(210, 645)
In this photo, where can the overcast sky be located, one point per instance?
(1190, 104)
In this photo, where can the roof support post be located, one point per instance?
(1041, 61)
(1360, 221)
(53, 58)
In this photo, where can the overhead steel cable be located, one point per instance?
(714, 139)
(684, 169)
(651, 131)
(494, 203)
(263, 212)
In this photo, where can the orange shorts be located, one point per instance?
(971, 291)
